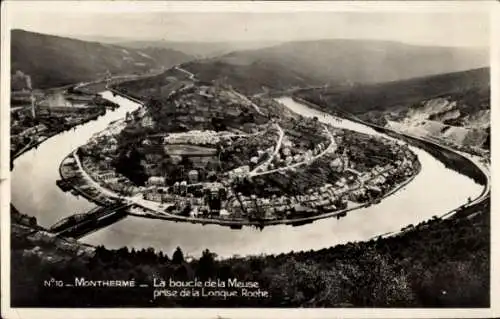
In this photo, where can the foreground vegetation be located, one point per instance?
(438, 263)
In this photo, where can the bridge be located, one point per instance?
(79, 225)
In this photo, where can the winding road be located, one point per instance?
(266, 163)
(327, 150)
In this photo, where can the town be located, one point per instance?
(211, 155)
(37, 115)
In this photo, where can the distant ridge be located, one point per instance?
(404, 93)
(336, 62)
(54, 60)
(200, 49)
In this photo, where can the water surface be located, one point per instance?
(434, 191)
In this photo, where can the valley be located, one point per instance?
(325, 162)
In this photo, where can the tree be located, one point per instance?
(206, 266)
(186, 162)
(32, 222)
(178, 256)
(130, 166)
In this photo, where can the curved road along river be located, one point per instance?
(34, 192)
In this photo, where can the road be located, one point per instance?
(255, 106)
(159, 208)
(327, 150)
(191, 75)
(276, 151)
(473, 159)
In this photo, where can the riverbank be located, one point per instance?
(293, 222)
(453, 159)
(34, 191)
(410, 266)
(154, 210)
(52, 134)
(99, 196)
(51, 129)
(117, 92)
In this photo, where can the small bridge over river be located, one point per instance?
(79, 225)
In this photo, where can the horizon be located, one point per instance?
(449, 29)
(120, 40)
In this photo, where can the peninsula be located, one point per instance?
(202, 152)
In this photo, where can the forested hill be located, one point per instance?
(53, 61)
(437, 263)
(391, 95)
(453, 108)
(336, 61)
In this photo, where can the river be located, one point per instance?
(434, 191)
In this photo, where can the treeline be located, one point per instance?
(23, 219)
(438, 263)
(449, 158)
(470, 88)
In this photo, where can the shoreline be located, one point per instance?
(484, 195)
(27, 149)
(222, 222)
(76, 85)
(237, 223)
(484, 178)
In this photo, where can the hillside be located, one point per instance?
(55, 61)
(452, 108)
(437, 263)
(254, 77)
(198, 49)
(338, 62)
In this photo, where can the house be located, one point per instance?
(147, 121)
(106, 176)
(254, 160)
(183, 187)
(336, 165)
(153, 196)
(280, 209)
(156, 181)
(374, 189)
(365, 177)
(323, 203)
(193, 176)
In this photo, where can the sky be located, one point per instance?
(451, 28)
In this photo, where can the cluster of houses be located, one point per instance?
(288, 158)
(279, 207)
(193, 137)
(329, 197)
(189, 199)
(290, 154)
(375, 181)
(35, 134)
(239, 172)
(250, 149)
(107, 177)
(102, 144)
(105, 142)
(37, 129)
(193, 196)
